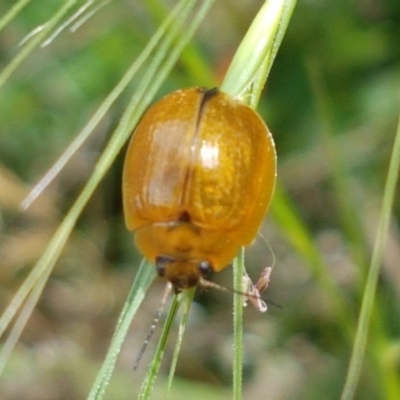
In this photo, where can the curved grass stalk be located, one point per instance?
(367, 304)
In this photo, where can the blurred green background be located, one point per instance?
(332, 103)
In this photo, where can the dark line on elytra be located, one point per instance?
(207, 96)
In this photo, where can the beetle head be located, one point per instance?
(182, 273)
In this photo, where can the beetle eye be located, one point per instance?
(161, 264)
(205, 268)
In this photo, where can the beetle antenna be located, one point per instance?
(153, 326)
(271, 250)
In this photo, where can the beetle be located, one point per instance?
(198, 177)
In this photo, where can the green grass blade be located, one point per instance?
(191, 58)
(21, 320)
(144, 277)
(42, 267)
(12, 13)
(188, 299)
(34, 41)
(148, 383)
(261, 43)
(284, 13)
(367, 305)
(238, 272)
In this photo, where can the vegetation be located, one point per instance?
(332, 102)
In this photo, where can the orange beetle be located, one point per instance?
(198, 178)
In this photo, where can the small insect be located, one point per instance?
(198, 178)
(253, 291)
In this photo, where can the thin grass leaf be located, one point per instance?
(40, 34)
(144, 277)
(41, 269)
(285, 14)
(188, 300)
(368, 300)
(261, 43)
(148, 383)
(191, 58)
(21, 321)
(12, 13)
(77, 19)
(238, 273)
